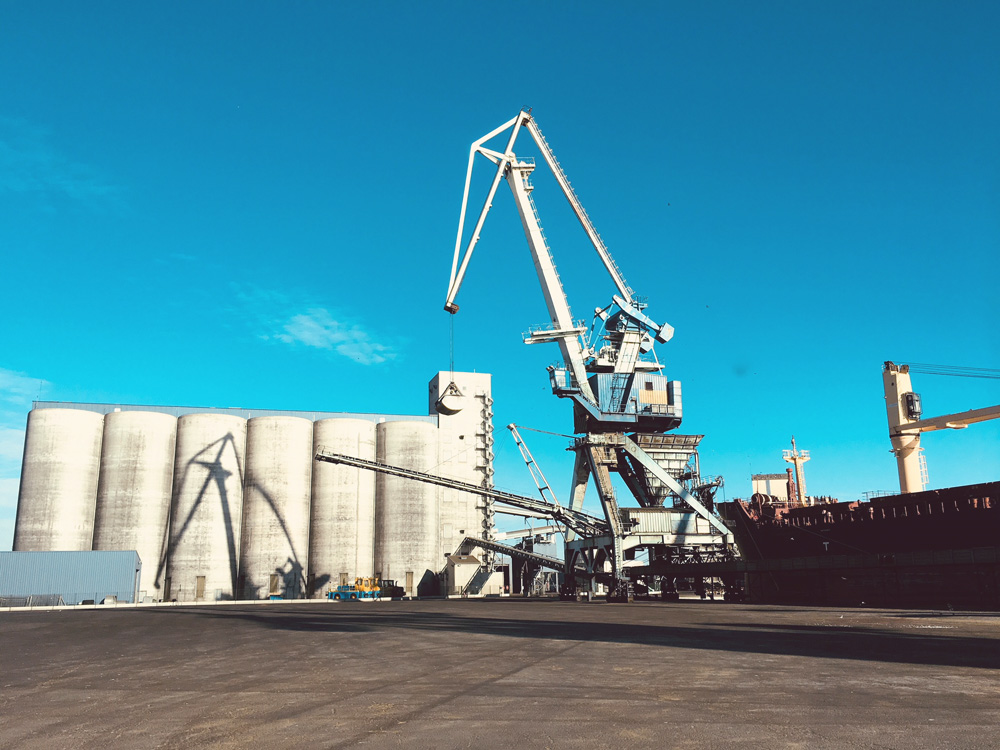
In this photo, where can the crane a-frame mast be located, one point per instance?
(461, 261)
(517, 173)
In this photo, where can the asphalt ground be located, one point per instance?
(499, 674)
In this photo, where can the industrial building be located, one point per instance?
(226, 503)
(781, 486)
(29, 579)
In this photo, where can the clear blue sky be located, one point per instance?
(254, 204)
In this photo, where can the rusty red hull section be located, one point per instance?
(937, 548)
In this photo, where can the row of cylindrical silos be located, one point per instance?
(221, 507)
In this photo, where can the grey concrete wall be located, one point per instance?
(407, 513)
(276, 499)
(342, 528)
(133, 494)
(207, 506)
(59, 475)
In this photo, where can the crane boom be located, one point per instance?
(905, 424)
(533, 468)
(631, 333)
(460, 261)
(564, 331)
(578, 209)
(458, 272)
(957, 421)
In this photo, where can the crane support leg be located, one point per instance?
(601, 456)
(577, 493)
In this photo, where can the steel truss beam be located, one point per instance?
(580, 522)
(533, 557)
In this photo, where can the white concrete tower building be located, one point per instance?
(464, 403)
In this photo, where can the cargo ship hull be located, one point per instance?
(939, 548)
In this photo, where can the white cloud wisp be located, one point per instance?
(30, 164)
(18, 388)
(283, 320)
(317, 328)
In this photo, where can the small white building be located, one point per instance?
(775, 485)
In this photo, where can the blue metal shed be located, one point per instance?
(75, 576)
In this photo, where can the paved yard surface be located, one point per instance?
(499, 673)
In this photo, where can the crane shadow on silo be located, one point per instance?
(316, 583)
(217, 473)
(292, 572)
(293, 579)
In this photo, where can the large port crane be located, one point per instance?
(611, 375)
(598, 374)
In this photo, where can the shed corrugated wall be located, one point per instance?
(76, 576)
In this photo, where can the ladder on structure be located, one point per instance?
(578, 208)
(545, 240)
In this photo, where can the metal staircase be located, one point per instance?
(475, 585)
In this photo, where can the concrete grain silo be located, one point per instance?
(133, 496)
(465, 434)
(275, 538)
(206, 508)
(342, 529)
(407, 523)
(59, 475)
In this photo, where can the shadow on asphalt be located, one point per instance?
(853, 642)
(961, 614)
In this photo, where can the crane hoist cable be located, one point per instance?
(544, 432)
(451, 343)
(955, 371)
